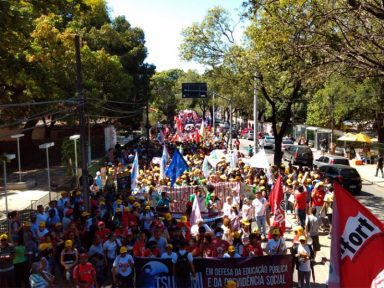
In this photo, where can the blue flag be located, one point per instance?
(134, 172)
(176, 168)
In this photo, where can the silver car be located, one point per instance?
(330, 160)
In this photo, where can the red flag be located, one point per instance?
(195, 214)
(275, 199)
(357, 247)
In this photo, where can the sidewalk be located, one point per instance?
(21, 199)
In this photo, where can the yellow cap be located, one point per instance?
(276, 231)
(123, 249)
(85, 214)
(147, 207)
(4, 237)
(183, 219)
(168, 216)
(42, 224)
(231, 249)
(43, 246)
(126, 209)
(68, 243)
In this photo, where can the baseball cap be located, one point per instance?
(68, 243)
(4, 237)
(276, 231)
(231, 249)
(123, 249)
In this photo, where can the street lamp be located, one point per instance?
(75, 138)
(46, 146)
(18, 136)
(7, 157)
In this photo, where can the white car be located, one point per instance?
(267, 142)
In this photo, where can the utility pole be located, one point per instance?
(82, 128)
(255, 134)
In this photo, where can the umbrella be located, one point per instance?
(348, 137)
(363, 138)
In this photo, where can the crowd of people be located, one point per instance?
(69, 244)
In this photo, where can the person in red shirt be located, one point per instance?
(218, 245)
(152, 250)
(318, 195)
(103, 232)
(84, 275)
(127, 216)
(300, 204)
(185, 227)
(254, 247)
(139, 247)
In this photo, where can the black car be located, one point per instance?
(298, 155)
(347, 176)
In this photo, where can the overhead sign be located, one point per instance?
(194, 90)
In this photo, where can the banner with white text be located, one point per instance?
(266, 271)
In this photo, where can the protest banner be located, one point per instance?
(265, 271)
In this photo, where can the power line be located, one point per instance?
(34, 103)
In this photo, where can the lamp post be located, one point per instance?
(7, 157)
(17, 137)
(75, 138)
(46, 146)
(255, 132)
(213, 112)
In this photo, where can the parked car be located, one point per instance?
(286, 143)
(298, 155)
(267, 142)
(250, 135)
(331, 160)
(347, 176)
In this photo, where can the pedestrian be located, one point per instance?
(259, 204)
(300, 204)
(312, 228)
(7, 268)
(276, 245)
(303, 255)
(379, 166)
(184, 267)
(84, 275)
(123, 269)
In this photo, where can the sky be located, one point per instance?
(162, 22)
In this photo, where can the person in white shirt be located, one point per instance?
(199, 223)
(259, 204)
(231, 253)
(246, 210)
(276, 245)
(303, 256)
(227, 206)
(122, 271)
(110, 249)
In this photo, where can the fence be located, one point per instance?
(25, 213)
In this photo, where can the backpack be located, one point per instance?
(182, 264)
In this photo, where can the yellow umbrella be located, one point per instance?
(363, 138)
